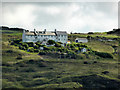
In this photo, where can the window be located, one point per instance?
(64, 35)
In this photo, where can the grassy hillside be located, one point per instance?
(41, 71)
(73, 36)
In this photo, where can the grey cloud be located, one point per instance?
(86, 9)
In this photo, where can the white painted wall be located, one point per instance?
(31, 38)
(82, 40)
(84, 50)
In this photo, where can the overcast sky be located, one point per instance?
(79, 17)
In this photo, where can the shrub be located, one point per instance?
(46, 48)
(36, 47)
(36, 50)
(78, 45)
(60, 49)
(90, 33)
(25, 45)
(12, 43)
(9, 51)
(38, 43)
(83, 45)
(30, 44)
(50, 42)
(42, 53)
(57, 45)
(71, 54)
(52, 48)
(72, 46)
(103, 54)
(31, 49)
(95, 62)
(60, 42)
(17, 41)
(22, 48)
(105, 72)
(85, 62)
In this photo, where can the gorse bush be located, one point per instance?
(46, 48)
(25, 45)
(57, 44)
(36, 47)
(31, 49)
(30, 44)
(17, 41)
(42, 53)
(22, 48)
(71, 50)
(36, 50)
(59, 50)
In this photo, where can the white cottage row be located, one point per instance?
(34, 36)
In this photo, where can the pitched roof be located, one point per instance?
(61, 32)
(46, 33)
(29, 33)
(32, 33)
(81, 38)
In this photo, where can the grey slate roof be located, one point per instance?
(46, 33)
(61, 32)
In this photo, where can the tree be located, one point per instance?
(50, 42)
(90, 33)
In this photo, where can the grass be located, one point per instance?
(100, 46)
(34, 71)
(93, 35)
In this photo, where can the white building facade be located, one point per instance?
(34, 36)
(82, 40)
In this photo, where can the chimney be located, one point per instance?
(35, 30)
(44, 30)
(55, 30)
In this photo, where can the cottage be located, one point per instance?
(82, 40)
(83, 50)
(34, 36)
